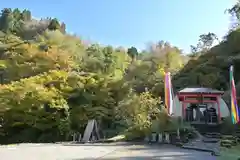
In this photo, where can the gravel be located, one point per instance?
(111, 151)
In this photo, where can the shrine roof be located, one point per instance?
(200, 90)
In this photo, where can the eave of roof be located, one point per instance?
(200, 91)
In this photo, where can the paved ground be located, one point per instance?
(99, 151)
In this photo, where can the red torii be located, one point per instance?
(200, 96)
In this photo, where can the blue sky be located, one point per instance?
(135, 22)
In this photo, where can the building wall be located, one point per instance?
(177, 108)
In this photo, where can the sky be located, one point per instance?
(135, 22)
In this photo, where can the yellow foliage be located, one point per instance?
(161, 71)
(28, 60)
(33, 92)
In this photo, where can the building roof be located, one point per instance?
(200, 90)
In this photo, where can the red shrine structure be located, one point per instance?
(200, 105)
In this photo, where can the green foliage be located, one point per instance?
(205, 42)
(143, 114)
(211, 69)
(137, 110)
(132, 52)
(7, 20)
(54, 82)
(54, 24)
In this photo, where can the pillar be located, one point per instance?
(219, 111)
(160, 138)
(184, 110)
(167, 138)
(183, 107)
(154, 137)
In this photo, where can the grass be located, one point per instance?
(230, 154)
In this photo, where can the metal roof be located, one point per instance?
(200, 90)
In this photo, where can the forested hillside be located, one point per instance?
(209, 66)
(52, 82)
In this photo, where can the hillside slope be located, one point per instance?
(52, 82)
(212, 68)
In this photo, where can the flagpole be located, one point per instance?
(172, 94)
(173, 103)
(230, 85)
(234, 106)
(231, 95)
(169, 96)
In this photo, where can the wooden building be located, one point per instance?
(200, 105)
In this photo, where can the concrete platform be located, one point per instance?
(113, 151)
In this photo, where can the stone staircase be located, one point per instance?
(209, 142)
(207, 128)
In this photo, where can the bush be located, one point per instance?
(137, 112)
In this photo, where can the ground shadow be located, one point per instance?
(148, 152)
(162, 157)
(107, 144)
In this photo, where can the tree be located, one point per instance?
(6, 20)
(17, 14)
(234, 11)
(54, 25)
(26, 15)
(207, 40)
(54, 82)
(132, 52)
(63, 28)
(137, 111)
(60, 83)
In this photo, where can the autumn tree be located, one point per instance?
(54, 82)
